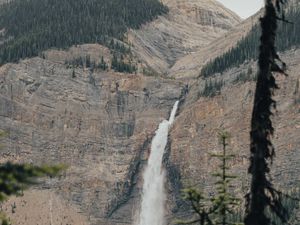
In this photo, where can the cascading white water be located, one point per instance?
(153, 198)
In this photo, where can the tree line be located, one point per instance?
(247, 48)
(63, 23)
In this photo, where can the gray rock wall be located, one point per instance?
(99, 129)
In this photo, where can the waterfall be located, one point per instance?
(153, 196)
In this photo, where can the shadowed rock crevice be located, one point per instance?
(174, 184)
(99, 130)
(125, 192)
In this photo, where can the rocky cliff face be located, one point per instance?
(195, 133)
(190, 65)
(188, 26)
(97, 123)
(100, 123)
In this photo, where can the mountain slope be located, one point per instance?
(195, 133)
(247, 48)
(243, 39)
(188, 26)
(63, 23)
(100, 122)
(228, 105)
(189, 66)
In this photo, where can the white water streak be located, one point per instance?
(153, 198)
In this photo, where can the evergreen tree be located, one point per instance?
(73, 73)
(87, 61)
(224, 203)
(14, 178)
(102, 65)
(211, 88)
(218, 209)
(199, 205)
(262, 195)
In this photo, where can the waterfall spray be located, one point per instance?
(153, 196)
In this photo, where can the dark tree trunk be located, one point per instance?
(262, 194)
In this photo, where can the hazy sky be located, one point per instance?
(244, 8)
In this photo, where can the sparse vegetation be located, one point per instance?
(86, 62)
(119, 65)
(244, 77)
(221, 208)
(150, 72)
(212, 88)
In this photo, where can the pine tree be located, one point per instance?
(87, 61)
(73, 73)
(199, 205)
(114, 63)
(14, 178)
(103, 65)
(218, 209)
(223, 203)
(262, 195)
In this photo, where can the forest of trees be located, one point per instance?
(86, 62)
(32, 26)
(247, 48)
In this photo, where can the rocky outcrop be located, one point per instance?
(96, 122)
(195, 133)
(188, 26)
(190, 65)
(100, 123)
(102, 131)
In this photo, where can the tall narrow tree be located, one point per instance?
(262, 194)
(224, 202)
(220, 208)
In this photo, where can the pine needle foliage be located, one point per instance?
(220, 208)
(224, 203)
(199, 206)
(15, 178)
